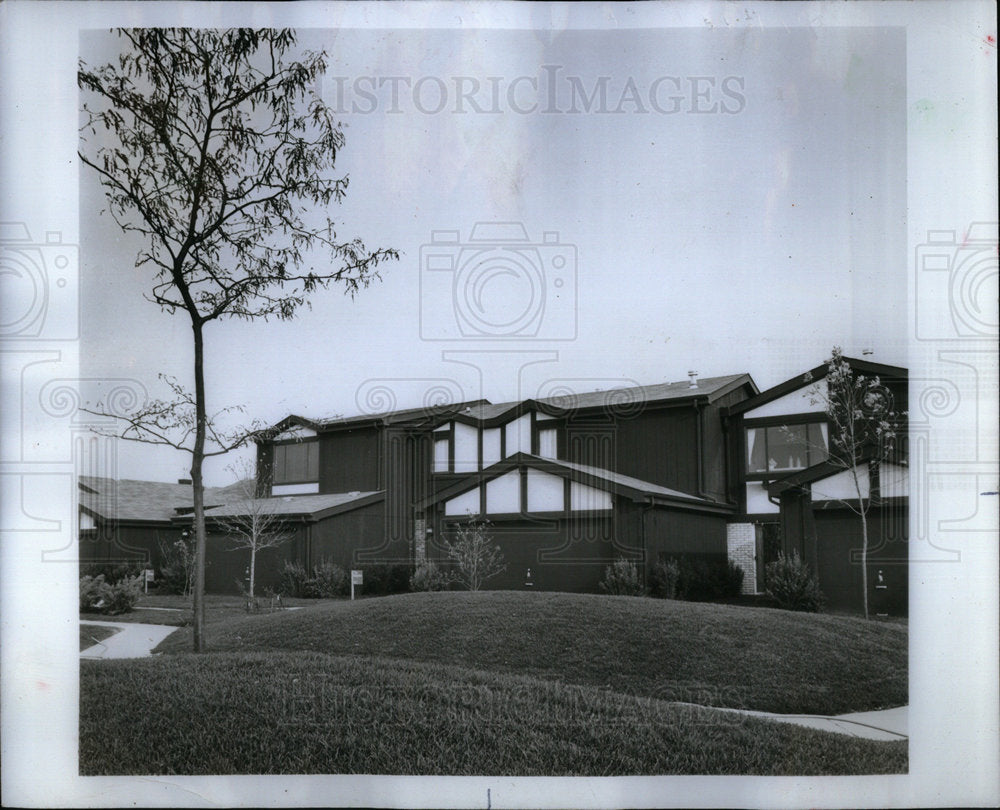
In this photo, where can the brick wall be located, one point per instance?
(741, 545)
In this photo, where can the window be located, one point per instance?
(295, 463)
(783, 448)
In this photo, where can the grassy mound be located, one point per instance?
(718, 655)
(294, 712)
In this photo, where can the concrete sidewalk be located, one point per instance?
(889, 724)
(131, 640)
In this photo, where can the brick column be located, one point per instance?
(741, 542)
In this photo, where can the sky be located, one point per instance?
(722, 201)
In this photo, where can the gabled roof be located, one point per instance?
(303, 507)
(602, 479)
(814, 375)
(482, 411)
(144, 501)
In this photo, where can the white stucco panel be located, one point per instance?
(464, 504)
(795, 402)
(491, 446)
(583, 498)
(757, 502)
(466, 448)
(841, 487)
(503, 494)
(545, 492)
(519, 435)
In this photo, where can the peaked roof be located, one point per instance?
(144, 501)
(814, 375)
(311, 507)
(625, 400)
(597, 477)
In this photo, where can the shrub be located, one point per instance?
(621, 578)
(98, 596)
(123, 595)
(664, 578)
(328, 580)
(293, 578)
(177, 565)
(93, 592)
(383, 579)
(114, 571)
(701, 580)
(792, 585)
(428, 577)
(475, 556)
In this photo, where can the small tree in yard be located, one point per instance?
(474, 554)
(254, 526)
(213, 151)
(863, 426)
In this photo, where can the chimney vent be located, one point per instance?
(693, 375)
(185, 481)
(867, 352)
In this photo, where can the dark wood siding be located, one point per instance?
(349, 461)
(838, 559)
(227, 568)
(355, 538)
(111, 542)
(660, 446)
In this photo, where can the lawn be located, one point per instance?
(302, 712)
(720, 655)
(91, 634)
(496, 683)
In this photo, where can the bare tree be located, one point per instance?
(863, 425)
(252, 523)
(474, 554)
(212, 148)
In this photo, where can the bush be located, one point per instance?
(123, 595)
(792, 585)
(293, 578)
(176, 574)
(428, 577)
(93, 592)
(327, 580)
(701, 580)
(664, 578)
(114, 571)
(383, 579)
(98, 596)
(621, 578)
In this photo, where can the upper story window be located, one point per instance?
(297, 462)
(785, 448)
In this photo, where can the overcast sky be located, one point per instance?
(724, 201)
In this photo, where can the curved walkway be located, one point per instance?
(131, 641)
(885, 725)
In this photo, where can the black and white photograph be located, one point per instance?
(499, 404)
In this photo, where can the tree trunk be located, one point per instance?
(197, 459)
(864, 558)
(253, 562)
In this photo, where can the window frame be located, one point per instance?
(791, 420)
(312, 443)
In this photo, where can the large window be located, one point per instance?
(784, 448)
(296, 463)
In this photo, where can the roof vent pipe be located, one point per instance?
(693, 375)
